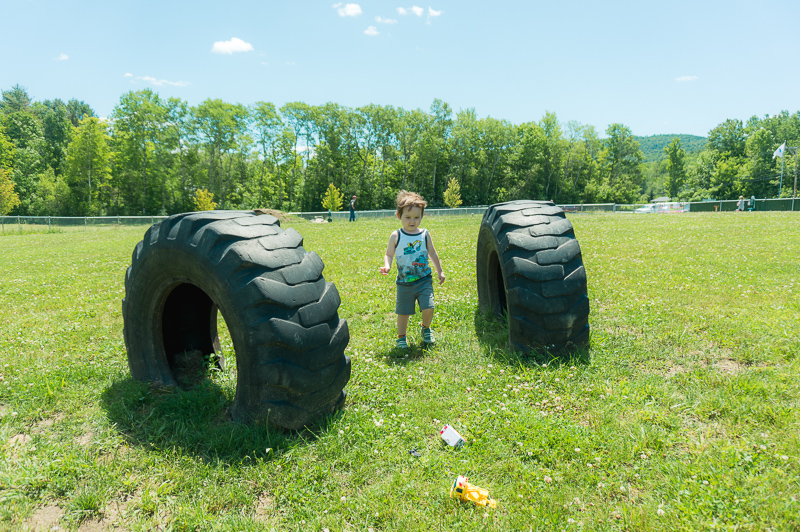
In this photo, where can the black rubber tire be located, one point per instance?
(282, 315)
(530, 268)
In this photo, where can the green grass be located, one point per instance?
(684, 417)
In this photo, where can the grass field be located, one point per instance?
(684, 417)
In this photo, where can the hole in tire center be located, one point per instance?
(189, 333)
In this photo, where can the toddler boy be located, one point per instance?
(412, 247)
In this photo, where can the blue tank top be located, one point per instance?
(411, 255)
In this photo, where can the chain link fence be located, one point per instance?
(51, 223)
(21, 224)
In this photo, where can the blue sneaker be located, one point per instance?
(401, 342)
(427, 335)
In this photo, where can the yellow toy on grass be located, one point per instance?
(467, 492)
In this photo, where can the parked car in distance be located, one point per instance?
(668, 207)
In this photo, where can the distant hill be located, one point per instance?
(653, 146)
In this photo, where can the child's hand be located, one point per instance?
(384, 270)
(441, 277)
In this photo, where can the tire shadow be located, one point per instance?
(493, 336)
(196, 421)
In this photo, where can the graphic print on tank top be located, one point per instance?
(412, 257)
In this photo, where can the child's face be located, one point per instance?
(410, 219)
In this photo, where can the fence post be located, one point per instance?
(48, 224)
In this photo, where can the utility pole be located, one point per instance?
(779, 153)
(794, 194)
(794, 150)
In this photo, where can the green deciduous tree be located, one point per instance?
(56, 129)
(267, 124)
(77, 109)
(8, 198)
(728, 137)
(52, 195)
(6, 150)
(220, 125)
(139, 118)
(620, 177)
(88, 166)
(676, 171)
(24, 130)
(204, 200)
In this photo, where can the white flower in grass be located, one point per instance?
(660, 512)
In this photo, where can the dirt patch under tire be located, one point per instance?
(529, 266)
(282, 315)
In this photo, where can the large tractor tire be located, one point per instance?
(282, 315)
(530, 269)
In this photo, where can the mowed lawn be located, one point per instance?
(682, 417)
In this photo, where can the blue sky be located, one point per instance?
(657, 67)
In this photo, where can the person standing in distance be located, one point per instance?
(353, 208)
(413, 249)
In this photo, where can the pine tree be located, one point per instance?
(452, 196)
(333, 199)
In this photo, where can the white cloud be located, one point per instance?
(418, 11)
(231, 47)
(347, 10)
(62, 57)
(686, 78)
(372, 31)
(434, 13)
(157, 82)
(382, 20)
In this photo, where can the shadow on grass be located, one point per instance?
(195, 422)
(404, 357)
(493, 337)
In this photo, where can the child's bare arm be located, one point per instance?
(387, 258)
(435, 259)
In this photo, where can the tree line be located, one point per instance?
(158, 156)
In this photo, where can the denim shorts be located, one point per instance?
(409, 294)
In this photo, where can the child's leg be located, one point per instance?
(402, 324)
(427, 317)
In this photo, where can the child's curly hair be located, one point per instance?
(406, 199)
